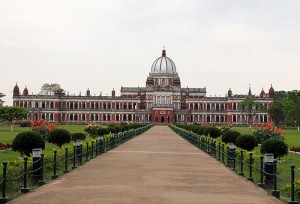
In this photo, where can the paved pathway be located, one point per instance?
(156, 167)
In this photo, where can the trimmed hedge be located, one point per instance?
(59, 137)
(230, 136)
(276, 146)
(24, 142)
(247, 142)
(78, 136)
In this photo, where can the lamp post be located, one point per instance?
(269, 172)
(231, 155)
(37, 161)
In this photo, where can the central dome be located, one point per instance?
(163, 64)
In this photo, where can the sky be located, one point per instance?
(105, 44)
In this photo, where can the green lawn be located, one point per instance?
(6, 136)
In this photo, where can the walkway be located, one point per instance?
(156, 167)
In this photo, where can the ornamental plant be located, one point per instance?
(212, 131)
(230, 136)
(59, 137)
(92, 129)
(225, 128)
(246, 141)
(78, 136)
(276, 146)
(43, 128)
(24, 142)
(264, 132)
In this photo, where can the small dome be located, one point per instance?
(16, 90)
(163, 64)
(25, 91)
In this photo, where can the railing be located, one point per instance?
(246, 164)
(34, 171)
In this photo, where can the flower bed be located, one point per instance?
(5, 146)
(295, 149)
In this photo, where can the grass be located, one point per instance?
(6, 136)
(292, 139)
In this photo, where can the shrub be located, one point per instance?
(24, 142)
(200, 130)
(265, 132)
(206, 131)
(225, 128)
(215, 132)
(246, 141)
(59, 137)
(25, 123)
(102, 131)
(230, 136)
(43, 128)
(112, 129)
(276, 146)
(78, 136)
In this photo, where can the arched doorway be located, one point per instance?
(162, 119)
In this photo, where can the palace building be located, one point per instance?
(162, 101)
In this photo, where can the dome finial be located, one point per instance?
(164, 51)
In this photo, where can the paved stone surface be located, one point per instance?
(156, 167)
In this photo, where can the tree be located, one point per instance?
(10, 114)
(1, 101)
(51, 88)
(276, 112)
(291, 107)
(248, 105)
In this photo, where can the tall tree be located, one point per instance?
(248, 105)
(292, 107)
(276, 112)
(9, 114)
(1, 101)
(51, 88)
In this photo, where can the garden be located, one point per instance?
(40, 151)
(243, 150)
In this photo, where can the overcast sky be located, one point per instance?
(102, 45)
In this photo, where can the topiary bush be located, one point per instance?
(214, 132)
(246, 141)
(59, 137)
(206, 131)
(103, 131)
(24, 142)
(276, 146)
(112, 129)
(230, 136)
(78, 136)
